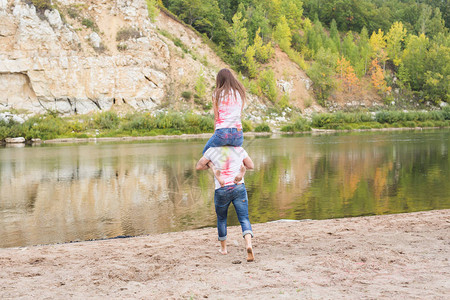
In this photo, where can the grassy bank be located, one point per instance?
(110, 124)
(107, 124)
(366, 120)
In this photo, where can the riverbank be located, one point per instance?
(109, 126)
(377, 257)
(208, 135)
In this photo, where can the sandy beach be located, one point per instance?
(403, 256)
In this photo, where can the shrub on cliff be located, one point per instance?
(41, 4)
(126, 33)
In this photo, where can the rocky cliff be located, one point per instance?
(85, 56)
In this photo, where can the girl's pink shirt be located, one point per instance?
(230, 107)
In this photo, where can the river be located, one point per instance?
(60, 193)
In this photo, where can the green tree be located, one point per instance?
(293, 11)
(274, 12)
(262, 52)
(200, 86)
(258, 19)
(437, 77)
(249, 63)
(424, 19)
(239, 37)
(334, 35)
(282, 34)
(205, 16)
(268, 85)
(349, 48)
(413, 65)
(436, 24)
(322, 73)
(315, 37)
(364, 53)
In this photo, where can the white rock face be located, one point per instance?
(3, 4)
(46, 64)
(10, 117)
(54, 18)
(95, 39)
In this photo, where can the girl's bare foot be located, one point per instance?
(216, 173)
(241, 174)
(250, 256)
(224, 252)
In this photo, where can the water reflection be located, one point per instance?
(61, 193)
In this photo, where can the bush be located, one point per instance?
(101, 48)
(284, 101)
(139, 121)
(247, 126)
(300, 124)
(44, 127)
(268, 85)
(320, 120)
(206, 124)
(88, 23)
(41, 4)
(446, 112)
(122, 47)
(200, 86)
(152, 8)
(187, 95)
(106, 120)
(392, 117)
(73, 13)
(125, 34)
(263, 128)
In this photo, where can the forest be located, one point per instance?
(402, 47)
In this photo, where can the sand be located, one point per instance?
(404, 256)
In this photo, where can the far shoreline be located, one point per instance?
(207, 135)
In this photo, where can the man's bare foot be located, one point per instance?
(250, 256)
(241, 174)
(223, 247)
(219, 179)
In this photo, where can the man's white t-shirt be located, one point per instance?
(228, 160)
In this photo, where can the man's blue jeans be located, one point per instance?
(236, 194)
(225, 137)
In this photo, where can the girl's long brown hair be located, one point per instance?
(226, 83)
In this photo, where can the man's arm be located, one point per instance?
(248, 163)
(202, 164)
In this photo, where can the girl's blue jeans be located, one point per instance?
(223, 197)
(225, 137)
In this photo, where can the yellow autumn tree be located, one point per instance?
(377, 43)
(394, 39)
(377, 78)
(347, 73)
